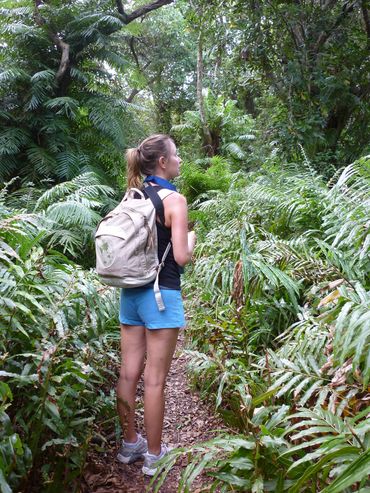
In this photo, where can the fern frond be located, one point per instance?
(41, 159)
(64, 105)
(114, 59)
(12, 140)
(104, 120)
(79, 75)
(12, 76)
(339, 442)
(71, 212)
(352, 331)
(235, 151)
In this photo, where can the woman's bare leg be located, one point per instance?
(133, 346)
(160, 344)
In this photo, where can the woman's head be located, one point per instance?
(149, 158)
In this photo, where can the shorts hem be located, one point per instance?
(150, 327)
(132, 322)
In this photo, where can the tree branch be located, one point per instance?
(365, 15)
(324, 36)
(132, 48)
(62, 45)
(64, 61)
(145, 9)
(136, 91)
(121, 11)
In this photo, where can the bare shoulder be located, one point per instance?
(176, 200)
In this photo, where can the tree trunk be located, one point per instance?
(206, 134)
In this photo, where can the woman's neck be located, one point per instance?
(159, 180)
(160, 174)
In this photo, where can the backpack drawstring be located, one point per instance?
(157, 291)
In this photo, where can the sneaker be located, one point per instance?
(151, 460)
(131, 452)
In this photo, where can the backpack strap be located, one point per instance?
(131, 192)
(156, 198)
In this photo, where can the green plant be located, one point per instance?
(56, 342)
(282, 297)
(198, 179)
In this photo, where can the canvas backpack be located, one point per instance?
(126, 242)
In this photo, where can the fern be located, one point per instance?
(352, 330)
(340, 443)
(12, 140)
(277, 276)
(64, 105)
(53, 317)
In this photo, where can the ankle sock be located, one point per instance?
(159, 456)
(131, 444)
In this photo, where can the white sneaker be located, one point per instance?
(131, 452)
(151, 460)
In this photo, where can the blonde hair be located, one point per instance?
(143, 160)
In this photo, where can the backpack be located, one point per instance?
(126, 242)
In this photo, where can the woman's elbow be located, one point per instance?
(182, 259)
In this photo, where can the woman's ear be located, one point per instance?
(162, 162)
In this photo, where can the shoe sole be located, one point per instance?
(129, 460)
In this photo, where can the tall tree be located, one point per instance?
(163, 65)
(314, 60)
(59, 111)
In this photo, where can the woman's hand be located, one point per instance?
(191, 241)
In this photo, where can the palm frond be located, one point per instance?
(235, 150)
(12, 140)
(12, 76)
(64, 106)
(104, 120)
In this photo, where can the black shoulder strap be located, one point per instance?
(156, 200)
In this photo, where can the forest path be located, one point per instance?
(188, 420)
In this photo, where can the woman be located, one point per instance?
(144, 329)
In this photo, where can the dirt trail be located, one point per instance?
(187, 420)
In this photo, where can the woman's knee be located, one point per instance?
(154, 380)
(130, 375)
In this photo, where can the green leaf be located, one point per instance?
(52, 408)
(5, 392)
(20, 378)
(71, 440)
(356, 471)
(315, 468)
(5, 488)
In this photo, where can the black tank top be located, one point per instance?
(169, 277)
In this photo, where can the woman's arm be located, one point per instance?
(176, 215)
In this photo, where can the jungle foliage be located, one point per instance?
(63, 105)
(57, 343)
(280, 317)
(300, 68)
(268, 103)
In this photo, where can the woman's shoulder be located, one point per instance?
(175, 199)
(176, 196)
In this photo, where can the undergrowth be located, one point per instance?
(280, 333)
(58, 344)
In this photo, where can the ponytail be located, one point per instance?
(133, 168)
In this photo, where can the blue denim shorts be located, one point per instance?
(138, 307)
